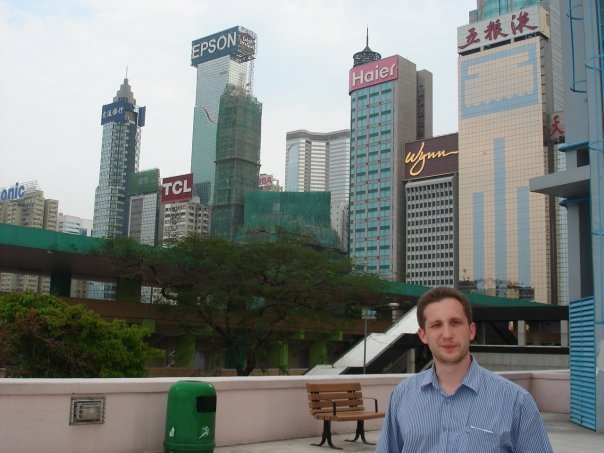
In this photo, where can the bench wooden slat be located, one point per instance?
(342, 401)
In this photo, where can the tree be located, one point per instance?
(42, 336)
(250, 293)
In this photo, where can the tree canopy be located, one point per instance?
(42, 336)
(250, 292)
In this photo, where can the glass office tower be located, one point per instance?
(391, 103)
(221, 59)
(122, 121)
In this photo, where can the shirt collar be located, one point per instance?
(471, 379)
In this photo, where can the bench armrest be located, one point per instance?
(364, 398)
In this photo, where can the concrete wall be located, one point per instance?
(496, 361)
(34, 413)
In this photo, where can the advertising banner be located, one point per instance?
(431, 157)
(501, 28)
(237, 41)
(176, 189)
(15, 192)
(115, 112)
(369, 74)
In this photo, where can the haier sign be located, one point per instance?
(373, 73)
(236, 41)
(177, 189)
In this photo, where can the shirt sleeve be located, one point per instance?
(530, 435)
(391, 439)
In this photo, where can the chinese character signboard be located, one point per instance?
(556, 127)
(369, 74)
(177, 189)
(501, 28)
(115, 112)
(431, 157)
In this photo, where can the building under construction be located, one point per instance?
(237, 158)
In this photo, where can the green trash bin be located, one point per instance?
(190, 418)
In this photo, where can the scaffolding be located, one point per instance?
(302, 215)
(237, 159)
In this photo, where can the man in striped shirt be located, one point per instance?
(458, 406)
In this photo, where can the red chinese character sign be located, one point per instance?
(556, 127)
(507, 26)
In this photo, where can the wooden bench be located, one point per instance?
(340, 402)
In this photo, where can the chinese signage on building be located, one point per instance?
(115, 112)
(431, 157)
(373, 73)
(177, 189)
(556, 127)
(502, 28)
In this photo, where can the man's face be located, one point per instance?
(447, 332)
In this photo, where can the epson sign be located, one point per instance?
(12, 193)
(217, 45)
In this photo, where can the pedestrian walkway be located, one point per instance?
(566, 437)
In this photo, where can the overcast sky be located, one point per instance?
(61, 60)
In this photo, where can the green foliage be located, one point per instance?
(252, 293)
(41, 336)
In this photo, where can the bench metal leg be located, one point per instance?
(360, 432)
(326, 436)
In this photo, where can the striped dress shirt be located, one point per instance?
(487, 413)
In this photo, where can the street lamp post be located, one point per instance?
(369, 313)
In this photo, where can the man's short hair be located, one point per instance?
(436, 295)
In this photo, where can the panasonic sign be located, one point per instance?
(215, 46)
(12, 193)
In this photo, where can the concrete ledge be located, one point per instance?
(35, 412)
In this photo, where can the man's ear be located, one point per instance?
(472, 331)
(422, 335)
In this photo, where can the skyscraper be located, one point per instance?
(237, 159)
(222, 58)
(320, 161)
(391, 103)
(431, 211)
(510, 83)
(121, 121)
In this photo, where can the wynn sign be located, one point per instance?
(431, 157)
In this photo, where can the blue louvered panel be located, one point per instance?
(582, 363)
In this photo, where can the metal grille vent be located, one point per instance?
(87, 410)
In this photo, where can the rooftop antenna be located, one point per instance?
(367, 40)
(126, 72)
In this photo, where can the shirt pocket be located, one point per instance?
(474, 440)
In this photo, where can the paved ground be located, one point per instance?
(565, 437)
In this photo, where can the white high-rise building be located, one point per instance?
(71, 224)
(28, 208)
(320, 162)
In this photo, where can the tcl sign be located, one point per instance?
(177, 188)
